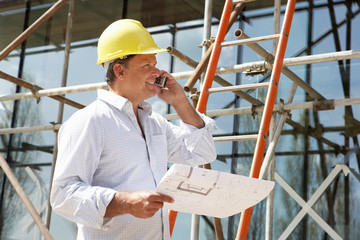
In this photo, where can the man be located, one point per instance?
(113, 153)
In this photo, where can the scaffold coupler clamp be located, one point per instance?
(253, 111)
(34, 92)
(269, 61)
(206, 42)
(282, 110)
(324, 104)
(194, 96)
(56, 126)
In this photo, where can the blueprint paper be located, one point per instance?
(212, 193)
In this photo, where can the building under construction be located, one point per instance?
(281, 79)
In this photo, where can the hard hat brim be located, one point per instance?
(121, 54)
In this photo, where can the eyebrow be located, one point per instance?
(150, 62)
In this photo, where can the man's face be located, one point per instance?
(140, 72)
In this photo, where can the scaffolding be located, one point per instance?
(315, 101)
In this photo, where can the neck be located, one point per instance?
(134, 103)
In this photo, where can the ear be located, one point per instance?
(119, 70)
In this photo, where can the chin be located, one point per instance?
(153, 92)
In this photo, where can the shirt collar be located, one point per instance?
(120, 102)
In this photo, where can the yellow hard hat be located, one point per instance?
(125, 37)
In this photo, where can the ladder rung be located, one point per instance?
(235, 138)
(241, 1)
(250, 40)
(238, 87)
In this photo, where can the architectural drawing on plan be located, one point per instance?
(209, 192)
(189, 186)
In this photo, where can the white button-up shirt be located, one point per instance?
(102, 150)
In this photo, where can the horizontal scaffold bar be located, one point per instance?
(238, 87)
(250, 40)
(53, 127)
(241, 1)
(326, 57)
(235, 138)
(55, 91)
(210, 113)
(277, 108)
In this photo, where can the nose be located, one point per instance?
(156, 72)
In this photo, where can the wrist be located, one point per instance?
(118, 205)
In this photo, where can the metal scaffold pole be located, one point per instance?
(24, 35)
(61, 104)
(269, 220)
(195, 219)
(24, 198)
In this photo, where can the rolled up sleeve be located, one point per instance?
(72, 194)
(193, 146)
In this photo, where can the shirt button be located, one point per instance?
(128, 104)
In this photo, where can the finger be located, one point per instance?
(157, 90)
(153, 202)
(168, 75)
(164, 73)
(168, 199)
(158, 197)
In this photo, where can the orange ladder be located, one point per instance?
(269, 103)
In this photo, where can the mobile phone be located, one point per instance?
(160, 81)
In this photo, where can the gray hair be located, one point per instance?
(110, 75)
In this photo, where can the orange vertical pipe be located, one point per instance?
(268, 108)
(214, 58)
(172, 219)
(209, 76)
